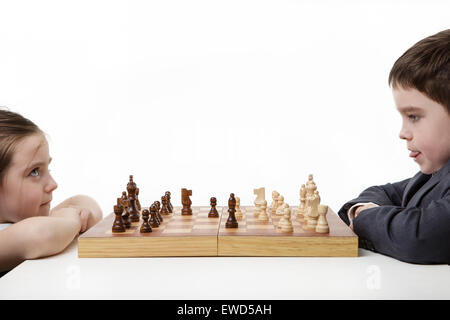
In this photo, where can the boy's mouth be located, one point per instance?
(414, 154)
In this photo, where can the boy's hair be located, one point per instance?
(13, 128)
(426, 67)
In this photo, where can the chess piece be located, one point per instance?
(312, 213)
(280, 209)
(153, 218)
(322, 223)
(145, 227)
(186, 202)
(273, 205)
(256, 211)
(132, 208)
(231, 222)
(138, 204)
(118, 225)
(164, 210)
(286, 226)
(213, 212)
(238, 213)
(260, 198)
(158, 211)
(263, 216)
(126, 216)
(169, 203)
(280, 204)
(301, 208)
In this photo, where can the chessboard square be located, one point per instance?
(205, 227)
(213, 220)
(170, 230)
(260, 226)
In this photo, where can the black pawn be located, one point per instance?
(164, 209)
(231, 222)
(169, 203)
(158, 211)
(213, 212)
(118, 225)
(153, 219)
(145, 228)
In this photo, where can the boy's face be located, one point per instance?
(27, 187)
(425, 127)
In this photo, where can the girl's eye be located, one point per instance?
(35, 172)
(413, 117)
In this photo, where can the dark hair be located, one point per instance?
(426, 67)
(13, 128)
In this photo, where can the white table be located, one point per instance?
(369, 276)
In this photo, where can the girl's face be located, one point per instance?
(27, 186)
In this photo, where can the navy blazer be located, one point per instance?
(412, 222)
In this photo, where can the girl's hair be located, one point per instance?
(13, 128)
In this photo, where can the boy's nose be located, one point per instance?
(405, 134)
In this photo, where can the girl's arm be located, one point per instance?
(38, 237)
(90, 211)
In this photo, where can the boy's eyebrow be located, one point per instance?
(409, 109)
(39, 163)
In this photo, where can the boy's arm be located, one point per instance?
(415, 235)
(90, 211)
(37, 237)
(388, 194)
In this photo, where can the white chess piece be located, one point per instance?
(281, 206)
(302, 208)
(263, 212)
(273, 205)
(322, 224)
(238, 213)
(286, 226)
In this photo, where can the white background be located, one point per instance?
(214, 96)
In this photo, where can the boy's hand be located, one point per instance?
(364, 207)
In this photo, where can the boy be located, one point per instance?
(410, 220)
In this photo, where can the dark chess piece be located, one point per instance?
(132, 208)
(158, 211)
(145, 228)
(213, 212)
(169, 204)
(138, 204)
(126, 216)
(118, 225)
(231, 222)
(164, 209)
(153, 218)
(186, 201)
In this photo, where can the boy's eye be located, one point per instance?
(35, 172)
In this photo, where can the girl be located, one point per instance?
(28, 228)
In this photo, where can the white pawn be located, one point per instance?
(322, 224)
(257, 211)
(263, 212)
(286, 226)
(238, 213)
(281, 206)
(273, 205)
(280, 202)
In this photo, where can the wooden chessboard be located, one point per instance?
(198, 235)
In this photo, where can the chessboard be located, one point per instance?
(200, 235)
